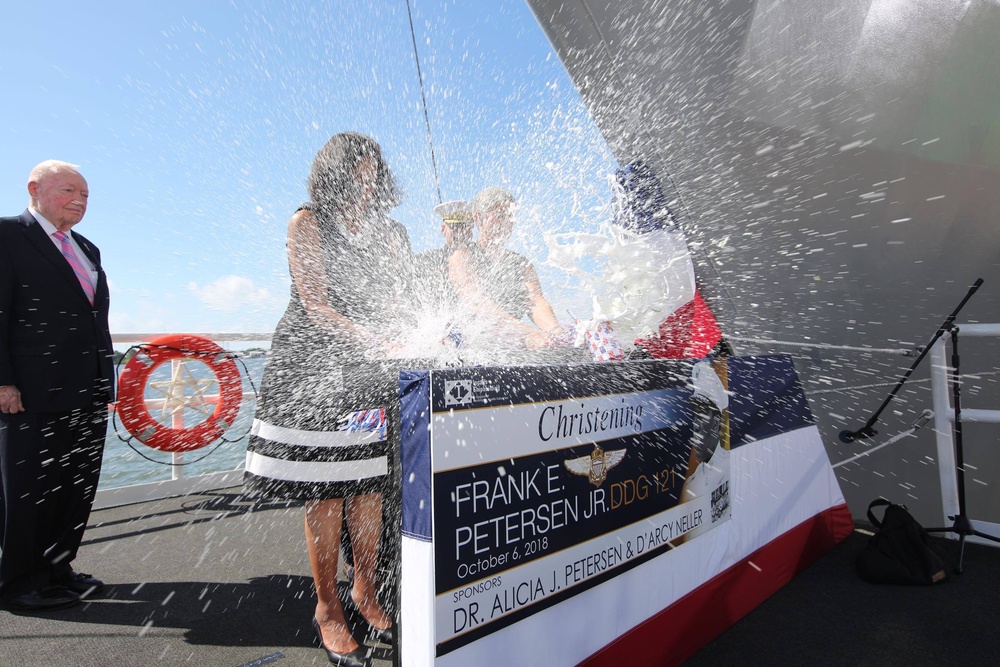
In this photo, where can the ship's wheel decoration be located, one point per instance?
(183, 391)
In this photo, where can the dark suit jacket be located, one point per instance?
(53, 343)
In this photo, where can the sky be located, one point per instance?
(195, 123)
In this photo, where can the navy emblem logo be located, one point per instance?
(596, 466)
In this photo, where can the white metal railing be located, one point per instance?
(944, 422)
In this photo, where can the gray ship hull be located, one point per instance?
(836, 167)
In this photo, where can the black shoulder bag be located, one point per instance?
(900, 551)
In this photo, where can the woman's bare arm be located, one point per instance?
(305, 258)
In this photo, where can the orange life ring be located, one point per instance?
(132, 381)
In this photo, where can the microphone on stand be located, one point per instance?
(862, 433)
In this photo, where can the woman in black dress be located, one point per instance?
(321, 429)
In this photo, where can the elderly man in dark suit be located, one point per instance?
(56, 379)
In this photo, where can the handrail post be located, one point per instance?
(177, 422)
(943, 417)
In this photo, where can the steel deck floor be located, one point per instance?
(193, 580)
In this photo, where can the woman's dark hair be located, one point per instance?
(333, 183)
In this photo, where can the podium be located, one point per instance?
(602, 514)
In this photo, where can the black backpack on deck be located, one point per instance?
(900, 551)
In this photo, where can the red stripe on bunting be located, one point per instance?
(676, 633)
(690, 332)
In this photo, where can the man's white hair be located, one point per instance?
(50, 167)
(490, 197)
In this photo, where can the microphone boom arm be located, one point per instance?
(867, 430)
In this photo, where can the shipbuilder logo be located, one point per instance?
(458, 392)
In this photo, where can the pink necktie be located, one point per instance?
(78, 268)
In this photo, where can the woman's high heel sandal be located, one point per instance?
(359, 657)
(387, 636)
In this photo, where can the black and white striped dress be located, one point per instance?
(325, 414)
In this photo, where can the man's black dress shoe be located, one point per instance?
(359, 657)
(83, 584)
(43, 599)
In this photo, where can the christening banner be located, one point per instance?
(550, 480)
